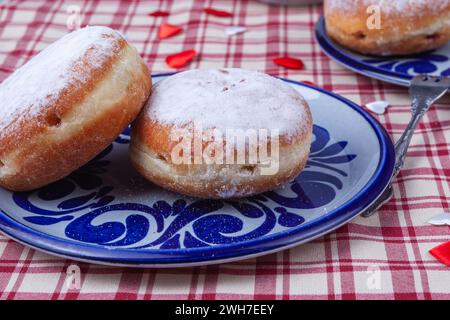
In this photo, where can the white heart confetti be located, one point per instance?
(379, 107)
(441, 219)
(234, 30)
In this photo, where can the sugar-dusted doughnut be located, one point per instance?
(223, 133)
(405, 26)
(67, 104)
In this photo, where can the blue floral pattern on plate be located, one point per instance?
(397, 70)
(83, 197)
(106, 213)
(429, 63)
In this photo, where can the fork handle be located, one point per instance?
(401, 146)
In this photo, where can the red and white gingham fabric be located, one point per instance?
(383, 257)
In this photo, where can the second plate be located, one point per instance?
(396, 70)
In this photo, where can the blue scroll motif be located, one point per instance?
(199, 223)
(428, 63)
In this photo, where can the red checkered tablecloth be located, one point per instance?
(383, 257)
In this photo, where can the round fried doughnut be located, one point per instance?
(67, 104)
(225, 133)
(406, 26)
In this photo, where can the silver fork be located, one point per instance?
(424, 91)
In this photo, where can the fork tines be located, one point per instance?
(435, 81)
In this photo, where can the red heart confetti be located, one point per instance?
(442, 253)
(179, 60)
(159, 13)
(168, 30)
(218, 13)
(290, 63)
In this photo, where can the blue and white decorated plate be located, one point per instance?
(106, 213)
(396, 70)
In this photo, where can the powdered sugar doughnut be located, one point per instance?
(406, 26)
(222, 133)
(67, 104)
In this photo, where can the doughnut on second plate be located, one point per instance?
(67, 104)
(225, 133)
(405, 26)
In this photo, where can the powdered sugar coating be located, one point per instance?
(403, 7)
(39, 82)
(228, 99)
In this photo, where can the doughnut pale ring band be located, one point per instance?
(66, 105)
(406, 26)
(208, 104)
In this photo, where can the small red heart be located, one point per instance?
(168, 30)
(442, 253)
(179, 60)
(290, 63)
(218, 13)
(159, 13)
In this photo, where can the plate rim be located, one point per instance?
(333, 52)
(217, 253)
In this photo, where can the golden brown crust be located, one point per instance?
(52, 144)
(151, 154)
(417, 29)
(66, 102)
